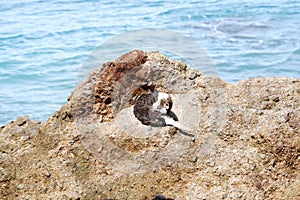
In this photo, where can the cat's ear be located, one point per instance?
(148, 87)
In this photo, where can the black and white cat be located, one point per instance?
(154, 109)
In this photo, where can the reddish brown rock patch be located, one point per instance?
(112, 72)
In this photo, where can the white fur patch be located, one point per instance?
(170, 121)
(161, 96)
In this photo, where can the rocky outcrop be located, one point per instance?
(245, 142)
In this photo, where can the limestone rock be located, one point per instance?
(245, 142)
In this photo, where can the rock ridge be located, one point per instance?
(245, 142)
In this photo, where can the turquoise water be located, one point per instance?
(43, 44)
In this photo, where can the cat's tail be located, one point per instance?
(169, 121)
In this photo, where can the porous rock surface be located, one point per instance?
(245, 142)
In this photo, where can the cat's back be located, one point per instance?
(143, 108)
(146, 100)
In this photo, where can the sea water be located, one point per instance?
(43, 44)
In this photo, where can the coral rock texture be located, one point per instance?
(245, 142)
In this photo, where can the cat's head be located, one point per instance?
(163, 103)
